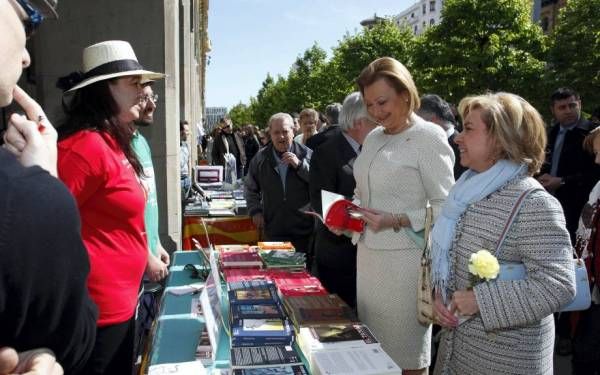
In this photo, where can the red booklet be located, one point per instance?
(240, 259)
(339, 212)
(244, 274)
(296, 283)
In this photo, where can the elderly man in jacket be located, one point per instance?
(277, 186)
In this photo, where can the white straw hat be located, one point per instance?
(111, 59)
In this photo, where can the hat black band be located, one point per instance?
(116, 66)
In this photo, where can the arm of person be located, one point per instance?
(322, 176)
(157, 266)
(436, 163)
(81, 177)
(252, 189)
(545, 247)
(303, 168)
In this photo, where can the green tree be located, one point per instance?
(482, 45)
(270, 99)
(356, 51)
(303, 83)
(241, 114)
(574, 56)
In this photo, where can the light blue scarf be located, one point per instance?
(471, 187)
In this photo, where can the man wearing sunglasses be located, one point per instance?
(44, 265)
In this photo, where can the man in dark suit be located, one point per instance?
(332, 111)
(437, 110)
(569, 173)
(331, 169)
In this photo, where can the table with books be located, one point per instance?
(243, 310)
(219, 216)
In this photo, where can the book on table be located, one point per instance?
(296, 283)
(245, 274)
(318, 310)
(338, 212)
(253, 292)
(368, 360)
(264, 356)
(283, 259)
(334, 337)
(260, 332)
(280, 370)
(276, 245)
(252, 311)
(232, 259)
(236, 248)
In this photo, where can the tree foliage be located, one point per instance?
(574, 56)
(241, 114)
(481, 45)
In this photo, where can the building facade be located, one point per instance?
(421, 15)
(549, 14)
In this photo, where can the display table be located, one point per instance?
(176, 330)
(220, 230)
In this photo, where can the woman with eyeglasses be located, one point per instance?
(97, 163)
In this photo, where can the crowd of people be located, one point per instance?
(79, 230)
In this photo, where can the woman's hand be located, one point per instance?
(442, 315)
(377, 220)
(464, 303)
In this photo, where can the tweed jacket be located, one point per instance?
(514, 330)
(400, 173)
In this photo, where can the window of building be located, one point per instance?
(432, 6)
(545, 24)
(415, 29)
(424, 8)
(412, 15)
(432, 22)
(424, 24)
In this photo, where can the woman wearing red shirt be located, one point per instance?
(98, 165)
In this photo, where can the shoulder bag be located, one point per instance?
(425, 287)
(517, 271)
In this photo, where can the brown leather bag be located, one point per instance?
(425, 287)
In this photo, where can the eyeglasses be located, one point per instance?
(145, 98)
(34, 18)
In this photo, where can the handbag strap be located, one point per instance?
(512, 217)
(427, 231)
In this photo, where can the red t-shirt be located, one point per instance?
(111, 204)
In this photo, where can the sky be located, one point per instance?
(251, 38)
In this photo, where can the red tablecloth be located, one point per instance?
(221, 230)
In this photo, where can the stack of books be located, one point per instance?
(276, 245)
(307, 311)
(256, 315)
(239, 258)
(283, 259)
(296, 283)
(277, 358)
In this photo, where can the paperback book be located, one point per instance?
(338, 212)
(264, 356)
(319, 310)
(259, 332)
(281, 370)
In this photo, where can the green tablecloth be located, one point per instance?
(177, 331)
